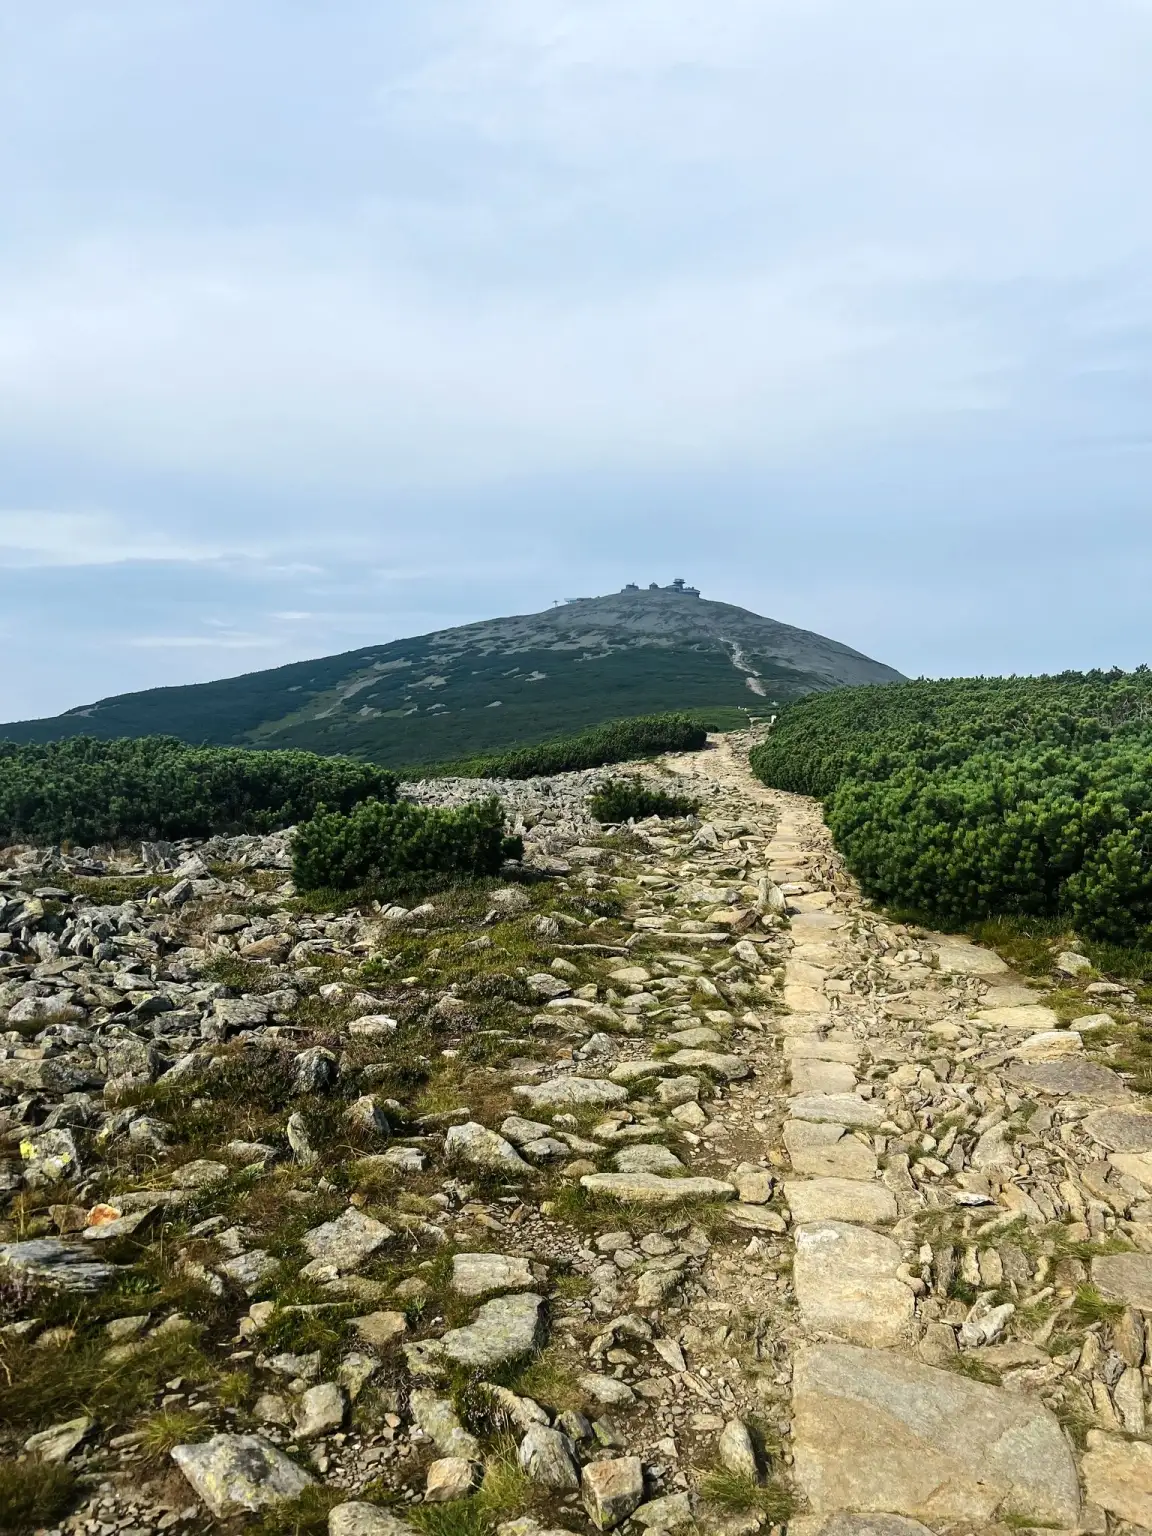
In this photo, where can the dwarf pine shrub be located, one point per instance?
(381, 844)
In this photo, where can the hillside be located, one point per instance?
(485, 686)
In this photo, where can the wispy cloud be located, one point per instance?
(47, 538)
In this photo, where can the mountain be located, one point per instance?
(482, 687)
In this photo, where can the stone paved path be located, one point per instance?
(951, 1182)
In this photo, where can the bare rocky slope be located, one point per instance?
(503, 682)
(665, 1183)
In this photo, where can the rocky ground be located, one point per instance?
(665, 1183)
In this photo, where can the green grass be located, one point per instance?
(33, 1495)
(734, 1494)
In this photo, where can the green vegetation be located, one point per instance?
(379, 846)
(32, 1495)
(618, 742)
(972, 798)
(621, 799)
(490, 687)
(86, 791)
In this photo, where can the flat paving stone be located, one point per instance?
(1125, 1277)
(807, 1076)
(652, 1189)
(839, 1200)
(826, 1150)
(846, 1285)
(1084, 1079)
(874, 1430)
(571, 1093)
(839, 1109)
(1120, 1130)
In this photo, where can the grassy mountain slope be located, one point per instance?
(486, 686)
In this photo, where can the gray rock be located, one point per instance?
(298, 1139)
(678, 1090)
(1125, 1277)
(846, 1285)
(380, 1329)
(874, 1430)
(250, 1271)
(607, 1390)
(1118, 1477)
(314, 1071)
(844, 1524)
(669, 1513)
(839, 1200)
(450, 1477)
(475, 1274)
(1085, 1079)
(406, 1159)
(572, 1093)
(651, 1189)
(612, 1490)
(547, 986)
(1120, 1130)
(366, 1116)
(241, 1012)
(199, 1174)
(843, 1109)
(50, 1261)
(436, 1416)
(479, 1147)
(736, 1450)
(56, 1444)
(321, 1411)
(650, 1158)
(549, 1458)
(347, 1242)
(240, 1474)
(49, 1156)
(502, 1330)
(516, 1129)
(726, 1067)
(357, 1519)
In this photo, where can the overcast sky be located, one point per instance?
(326, 324)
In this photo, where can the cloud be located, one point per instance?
(204, 642)
(50, 538)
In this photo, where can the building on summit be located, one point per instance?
(678, 586)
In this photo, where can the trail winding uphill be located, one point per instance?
(764, 1210)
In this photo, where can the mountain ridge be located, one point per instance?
(493, 683)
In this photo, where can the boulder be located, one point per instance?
(502, 1330)
(611, 1490)
(451, 1477)
(240, 1474)
(572, 1093)
(475, 1274)
(874, 1430)
(357, 1519)
(320, 1411)
(479, 1147)
(439, 1420)
(549, 1457)
(347, 1242)
(1125, 1277)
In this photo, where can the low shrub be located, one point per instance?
(620, 741)
(630, 798)
(975, 798)
(379, 845)
(33, 1495)
(84, 791)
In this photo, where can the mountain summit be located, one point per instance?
(482, 687)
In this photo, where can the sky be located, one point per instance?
(322, 325)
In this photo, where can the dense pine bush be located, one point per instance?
(619, 742)
(85, 791)
(625, 798)
(384, 846)
(978, 797)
